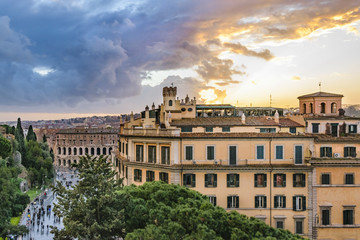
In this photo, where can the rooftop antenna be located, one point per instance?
(172, 84)
(320, 86)
(270, 100)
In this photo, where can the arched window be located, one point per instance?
(69, 151)
(333, 107)
(304, 108)
(311, 108)
(59, 150)
(59, 162)
(64, 151)
(92, 151)
(110, 149)
(104, 151)
(98, 151)
(86, 151)
(170, 103)
(69, 163)
(64, 162)
(80, 151)
(75, 161)
(75, 151)
(322, 108)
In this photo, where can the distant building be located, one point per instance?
(299, 172)
(71, 144)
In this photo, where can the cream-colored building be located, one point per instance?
(274, 168)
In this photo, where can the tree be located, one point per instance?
(19, 137)
(92, 209)
(5, 147)
(158, 210)
(31, 136)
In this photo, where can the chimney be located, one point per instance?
(153, 106)
(147, 115)
(243, 118)
(276, 116)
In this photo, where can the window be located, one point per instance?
(348, 216)
(163, 176)
(186, 129)
(349, 178)
(299, 203)
(325, 151)
(189, 180)
(150, 176)
(325, 216)
(260, 201)
(325, 178)
(232, 180)
(260, 152)
(333, 107)
(210, 180)
(233, 202)
(298, 154)
(311, 108)
(170, 103)
(260, 180)
(232, 155)
(225, 129)
(322, 108)
(292, 129)
(137, 175)
(212, 200)
(139, 153)
(152, 154)
(299, 180)
(315, 127)
(209, 129)
(267, 130)
(210, 152)
(304, 108)
(280, 224)
(189, 153)
(349, 151)
(165, 155)
(299, 226)
(123, 147)
(279, 180)
(352, 128)
(279, 201)
(127, 149)
(279, 152)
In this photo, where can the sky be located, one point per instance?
(66, 58)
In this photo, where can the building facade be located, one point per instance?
(71, 144)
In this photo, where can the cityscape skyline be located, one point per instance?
(104, 57)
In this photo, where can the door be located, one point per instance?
(232, 155)
(334, 129)
(298, 154)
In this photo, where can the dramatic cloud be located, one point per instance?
(296, 78)
(69, 53)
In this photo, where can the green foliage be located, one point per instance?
(5, 147)
(9, 130)
(31, 136)
(158, 210)
(92, 209)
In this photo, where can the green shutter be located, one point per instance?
(255, 180)
(322, 152)
(193, 182)
(228, 202)
(304, 203)
(184, 180)
(256, 202)
(215, 180)
(206, 180)
(237, 183)
(215, 201)
(294, 180)
(265, 180)
(294, 203)
(228, 180)
(140, 173)
(276, 201)
(284, 180)
(265, 202)
(303, 178)
(237, 202)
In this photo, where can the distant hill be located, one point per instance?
(352, 110)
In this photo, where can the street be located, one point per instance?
(39, 217)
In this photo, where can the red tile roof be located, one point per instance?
(321, 94)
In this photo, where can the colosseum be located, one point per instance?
(71, 144)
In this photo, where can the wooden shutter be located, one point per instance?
(184, 179)
(255, 180)
(228, 180)
(284, 200)
(322, 152)
(215, 180)
(284, 180)
(304, 203)
(193, 182)
(256, 201)
(206, 180)
(303, 180)
(265, 180)
(276, 201)
(214, 201)
(265, 201)
(294, 203)
(275, 180)
(228, 201)
(237, 183)
(147, 176)
(237, 202)
(140, 173)
(294, 180)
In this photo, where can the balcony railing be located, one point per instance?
(151, 132)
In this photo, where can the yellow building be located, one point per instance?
(268, 167)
